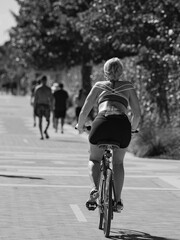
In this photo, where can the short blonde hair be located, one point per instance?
(113, 69)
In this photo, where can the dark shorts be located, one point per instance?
(59, 113)
(111, 129)
(42, 110)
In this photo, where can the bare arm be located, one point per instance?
(88, 105)
(135, 107)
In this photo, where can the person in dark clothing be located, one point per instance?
(33, 88)
(60, 106)
(43, 100)
(79, 101)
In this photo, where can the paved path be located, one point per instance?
(44, 185)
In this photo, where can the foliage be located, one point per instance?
(122, 27)
(152, 142)
(47, 37)
(160, 100)
(10, 69)
(149, 30)
(37, 35)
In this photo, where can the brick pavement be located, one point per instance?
(44, 185)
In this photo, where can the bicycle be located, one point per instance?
(107, 202)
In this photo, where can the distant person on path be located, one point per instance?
(43, 100)
(60, 106)
(114, 96)
(54, 88)
(34, 85)
(79, 101)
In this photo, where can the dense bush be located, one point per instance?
(151, 141)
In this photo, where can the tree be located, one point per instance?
(148, 29)
(56, 33)
(11, 71)
(46, 37)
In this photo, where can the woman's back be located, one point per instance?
(113, 95)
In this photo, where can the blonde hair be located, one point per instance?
(113, 69)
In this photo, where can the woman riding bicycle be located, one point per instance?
(113, 95)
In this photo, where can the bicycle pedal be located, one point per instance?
(91, 206)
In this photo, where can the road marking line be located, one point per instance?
(172, 180)
(15, 161)
(78, 213)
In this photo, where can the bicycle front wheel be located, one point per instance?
(107, 205)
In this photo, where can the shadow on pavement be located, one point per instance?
(127, 234)
(16, 176)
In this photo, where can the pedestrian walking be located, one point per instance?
(79, 101)
(60, 106)
(54, 88)
(43, 102)
(34, 85)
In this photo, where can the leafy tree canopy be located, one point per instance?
(45, 33)
(66, 32)
(124, 27)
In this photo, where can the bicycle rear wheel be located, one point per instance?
(107, 205)
(101, 201)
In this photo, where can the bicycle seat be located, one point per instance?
(106, 144)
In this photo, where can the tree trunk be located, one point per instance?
(86, 71)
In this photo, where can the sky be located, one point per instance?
(6, 19)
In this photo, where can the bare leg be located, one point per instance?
(94, 173)
(40, 127)
(34, 117)
(53, 120)
(62, 124)
(94, 165)
(47, 126)
(118, 168)
(56, 121)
